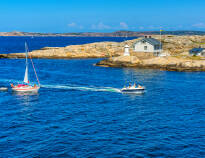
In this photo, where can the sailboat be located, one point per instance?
(26, 86)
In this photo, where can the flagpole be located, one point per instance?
(160, 41)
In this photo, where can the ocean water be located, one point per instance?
(80, 112)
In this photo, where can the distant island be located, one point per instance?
(96, 34)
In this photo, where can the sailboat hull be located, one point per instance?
(26, 89)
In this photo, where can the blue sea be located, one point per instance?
(80, 112)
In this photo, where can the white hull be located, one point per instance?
(133, 90)
(25, 89)
(3, 88)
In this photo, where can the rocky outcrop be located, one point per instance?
(93, 50)
(3, 56)
(121, 61)
(162, 63)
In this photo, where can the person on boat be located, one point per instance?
(129, 85)
(12, 85)
(34, 85)
(134, 85)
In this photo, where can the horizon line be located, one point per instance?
(15, 31)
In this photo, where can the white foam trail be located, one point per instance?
(9, 81)
(105, 89)
(72, 87)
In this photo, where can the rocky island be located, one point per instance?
(178, 59)
(176, 46)
(93, 50)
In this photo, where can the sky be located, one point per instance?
(61, 16)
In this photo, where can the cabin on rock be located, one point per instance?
(197, 52)
(148, 45)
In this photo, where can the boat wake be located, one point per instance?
(71, 87)
(102, 89)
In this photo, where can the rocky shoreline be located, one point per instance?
(93, 50)
(161, 63)
(176, 46)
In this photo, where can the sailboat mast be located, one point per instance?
(26, 49)
(26, 71)
(132, 69)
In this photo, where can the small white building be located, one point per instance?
(126, 52)
(197, 52)
(148, 45)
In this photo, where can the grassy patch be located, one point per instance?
(201, 43)
(189, 57)
(195, 57)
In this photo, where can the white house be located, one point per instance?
(148, 45)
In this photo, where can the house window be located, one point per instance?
(156, 47)
(145, 47)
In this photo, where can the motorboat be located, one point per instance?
(133, 89)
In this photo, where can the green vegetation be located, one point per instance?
(194, 57)
(200, 43)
